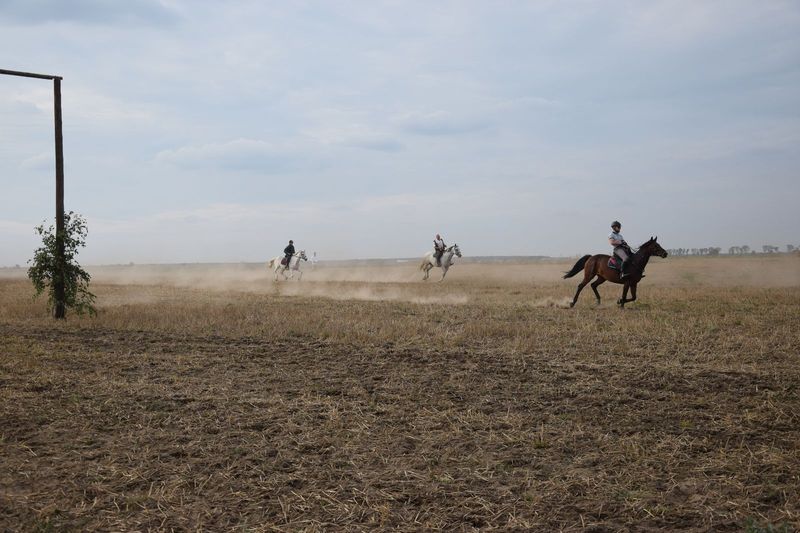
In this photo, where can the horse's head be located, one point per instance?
(455, 250)
(652, 247)
(302, 255)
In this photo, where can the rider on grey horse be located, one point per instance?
(621, 248)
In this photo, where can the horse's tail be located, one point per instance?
(271, 263)
(578, 266)
(424, 262)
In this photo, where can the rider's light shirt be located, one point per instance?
(438, 243)
(616, 236)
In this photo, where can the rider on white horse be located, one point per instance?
(288, 252)
(438, 249)
(288, 263)
(444, 261)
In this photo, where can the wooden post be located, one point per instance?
(59, 310)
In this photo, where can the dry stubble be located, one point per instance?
(338, 403)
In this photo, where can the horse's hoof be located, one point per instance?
(571, 305)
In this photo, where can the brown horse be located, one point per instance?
(597, 265)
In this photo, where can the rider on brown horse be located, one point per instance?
(598, 266)
(621, 248)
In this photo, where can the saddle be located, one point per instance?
(615, 263)
(284, 262)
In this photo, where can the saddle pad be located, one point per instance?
(614, 263)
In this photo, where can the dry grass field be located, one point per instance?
(211, 398)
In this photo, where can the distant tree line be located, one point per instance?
(733, 250)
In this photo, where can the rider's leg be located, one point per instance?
(623, 254)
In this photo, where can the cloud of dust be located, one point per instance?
(376, 283)
(243, 277)
(367, 293)
(559, 303)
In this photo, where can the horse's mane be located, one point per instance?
(648, 242)
(641, 254)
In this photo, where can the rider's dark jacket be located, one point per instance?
(289, 250)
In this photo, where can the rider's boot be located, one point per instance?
(624, 269)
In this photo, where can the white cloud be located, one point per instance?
(93, 12)
(439, 123)
(91, 106)
(13, 227)
(42, 161)
(237, 154)
(339, 132)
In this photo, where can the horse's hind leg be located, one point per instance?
(599, 281)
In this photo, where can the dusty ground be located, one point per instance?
(210, 398)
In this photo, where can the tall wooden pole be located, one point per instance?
(59, 310)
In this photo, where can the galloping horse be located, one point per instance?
(597, 265)
(292, 267)
(428, 261)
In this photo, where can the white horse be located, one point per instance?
(292, 267)
(428, 261)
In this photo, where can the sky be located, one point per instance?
(200, 131)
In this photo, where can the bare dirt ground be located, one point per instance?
(210, 398)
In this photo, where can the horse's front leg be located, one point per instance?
(633, 293)
(621, 301)
(444, 273)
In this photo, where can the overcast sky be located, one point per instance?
(216, 131)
